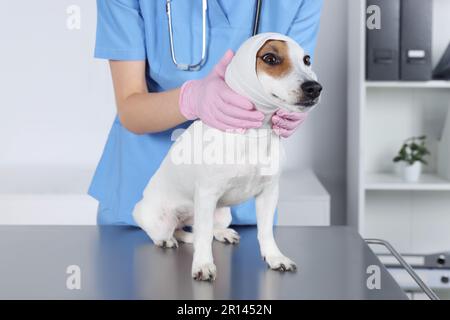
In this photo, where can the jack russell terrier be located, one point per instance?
(273, 72)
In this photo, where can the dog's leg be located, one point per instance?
(184, 236)
(203, 267)
(222, 219)
(266, 203)
(157, 222)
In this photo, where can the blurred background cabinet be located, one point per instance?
(414, 217)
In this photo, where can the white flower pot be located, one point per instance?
(411, 173)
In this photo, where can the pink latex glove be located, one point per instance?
(211, 100)
(285, 123)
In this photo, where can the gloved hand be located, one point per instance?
(211, 100)
(285, 123)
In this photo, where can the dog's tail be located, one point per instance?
(184, 236)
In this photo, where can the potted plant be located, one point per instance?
(411, 156)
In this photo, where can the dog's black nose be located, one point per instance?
(311, 89)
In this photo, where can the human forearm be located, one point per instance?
(141, 111)
(150, 112)
(208, 99)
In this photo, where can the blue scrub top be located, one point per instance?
(137, 30)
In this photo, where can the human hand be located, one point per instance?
(285, 123)
(212, 101)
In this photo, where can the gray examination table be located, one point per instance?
(122, 263)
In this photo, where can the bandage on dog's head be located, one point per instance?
(274, 72)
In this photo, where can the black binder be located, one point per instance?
(383, 45)
(416, 34)
(442, 70)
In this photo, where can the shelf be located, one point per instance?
(46, 195)
(303, 200)
(45, 179)
(413, 217)
(390, 181)
(434, 84)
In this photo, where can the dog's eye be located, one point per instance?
(271, 59)
(307, 60)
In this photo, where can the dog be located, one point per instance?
(200, 193)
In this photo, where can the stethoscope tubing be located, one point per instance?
(185, 66)
(197, 66)
(257, 17)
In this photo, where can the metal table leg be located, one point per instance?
(406, 266)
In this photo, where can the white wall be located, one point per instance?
(329, 126)
(321, 142)
(57, 103)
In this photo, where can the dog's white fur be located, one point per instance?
(180, 195)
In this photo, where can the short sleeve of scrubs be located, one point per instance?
(305, 27)
(120, 30)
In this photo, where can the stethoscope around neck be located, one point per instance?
(197, 66)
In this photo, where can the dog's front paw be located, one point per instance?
(226, 235)
(171, 243)
(204, 272)
(280, 263)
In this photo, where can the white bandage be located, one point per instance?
(241, 72)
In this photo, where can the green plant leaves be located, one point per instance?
(413, 150)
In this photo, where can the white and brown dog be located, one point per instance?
(274, 72)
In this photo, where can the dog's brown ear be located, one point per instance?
(273, 49)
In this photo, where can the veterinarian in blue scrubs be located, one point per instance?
(136, 30)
